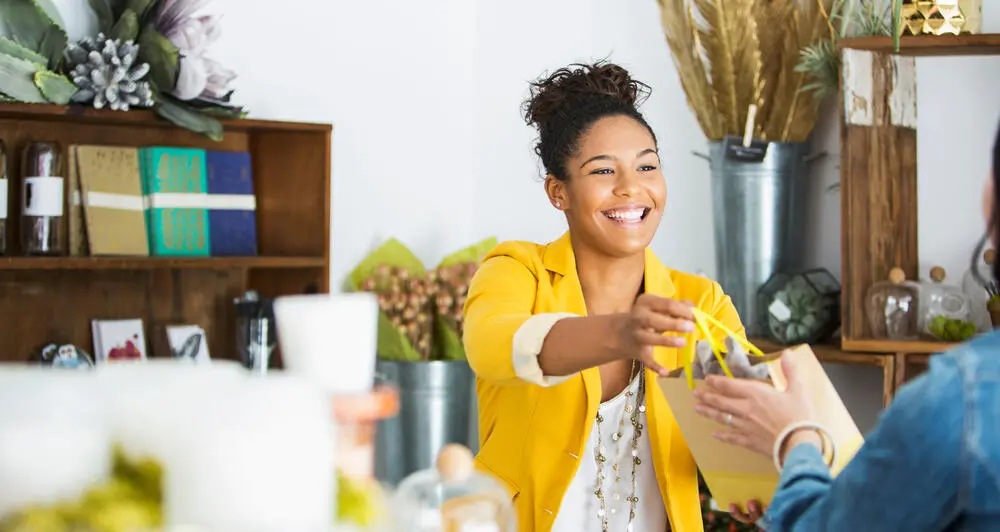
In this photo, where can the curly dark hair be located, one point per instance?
(994, 225)
(564, 106)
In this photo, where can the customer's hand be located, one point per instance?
(754, 512)
(643, 328)
(755, 412)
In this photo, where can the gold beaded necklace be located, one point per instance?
(601, 457)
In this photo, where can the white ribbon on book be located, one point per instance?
(111, 200)
(200, 200)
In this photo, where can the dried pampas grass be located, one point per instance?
(732, 54)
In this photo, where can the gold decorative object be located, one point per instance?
(941, 17)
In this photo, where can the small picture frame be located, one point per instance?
(188, 343)
(118, 341)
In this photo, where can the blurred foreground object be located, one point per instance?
(453, 496)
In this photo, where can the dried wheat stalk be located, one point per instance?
(730, 54)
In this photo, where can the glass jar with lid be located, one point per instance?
(891, 307)
(945, 312)
(453, 497)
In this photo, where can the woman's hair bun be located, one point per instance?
(579, 85)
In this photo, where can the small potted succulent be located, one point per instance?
(145, 54)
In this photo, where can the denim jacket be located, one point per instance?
(932, 462)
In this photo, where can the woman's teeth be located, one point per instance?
(626, 215)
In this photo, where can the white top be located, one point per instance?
(578, 512)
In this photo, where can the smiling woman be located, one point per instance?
(567, 338)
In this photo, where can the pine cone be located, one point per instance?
(104, 71)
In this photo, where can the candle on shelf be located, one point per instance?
(330, 339)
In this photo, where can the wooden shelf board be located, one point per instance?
(158, 263)
(830, 353)
(918, 358)
(930, 45)
(895, 346)
(85, 114)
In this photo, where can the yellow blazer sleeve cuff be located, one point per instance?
(527, 345)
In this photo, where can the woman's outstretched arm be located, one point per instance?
(506, 343)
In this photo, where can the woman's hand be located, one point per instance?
(752, 515)
(755, 412)
(643, 328)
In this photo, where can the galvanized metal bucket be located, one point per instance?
(437, 406)
(760, 209)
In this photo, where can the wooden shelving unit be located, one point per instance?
(158, 263)
(832, 353)
(53, 299)
(929, 45)
(895, 346)
(879, 180)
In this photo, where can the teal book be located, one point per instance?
(175, 189)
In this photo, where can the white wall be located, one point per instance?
(396, 80)
(429, 144)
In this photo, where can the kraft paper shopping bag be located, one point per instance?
(735, 475)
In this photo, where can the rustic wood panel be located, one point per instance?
(878, 179)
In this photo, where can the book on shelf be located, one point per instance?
(112, 200)
(176, 195)
(232, 218)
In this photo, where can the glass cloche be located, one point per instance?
(453, 496)
(891, 307)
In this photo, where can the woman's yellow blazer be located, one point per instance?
(532, 437)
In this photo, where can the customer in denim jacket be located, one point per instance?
(931, 463)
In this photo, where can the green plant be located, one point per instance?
(851, 18)
(184, 87)
(31, 60)
(951, 330)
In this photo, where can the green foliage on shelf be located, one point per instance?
(34, 66)
(951, 330)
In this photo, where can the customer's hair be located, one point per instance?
(564, 106)
(994, 225)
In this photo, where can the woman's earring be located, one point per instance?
(558, 204)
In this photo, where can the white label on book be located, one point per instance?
(42, 196)
(779, 310)
(110, 200)
(3, 199)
